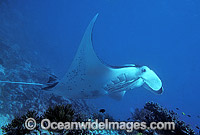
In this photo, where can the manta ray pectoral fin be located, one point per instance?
(117, 95)
(152, 82)
(86, 73)
(86, 56)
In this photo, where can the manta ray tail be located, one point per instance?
(52, 82)
(25, 83)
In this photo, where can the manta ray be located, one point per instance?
(89, 77)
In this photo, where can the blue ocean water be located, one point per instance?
(163, 35)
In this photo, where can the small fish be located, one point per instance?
(189, 115)
(177, 108)
(128, 118)
(102, 110)
(197, 127)
(183, 113)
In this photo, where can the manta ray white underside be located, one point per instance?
(88, 77)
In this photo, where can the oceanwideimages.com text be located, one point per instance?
(46, 124)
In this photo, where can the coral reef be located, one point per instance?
(17, 125)
(153, 112)
(59, 113)
(16, 99)
(4, 119)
